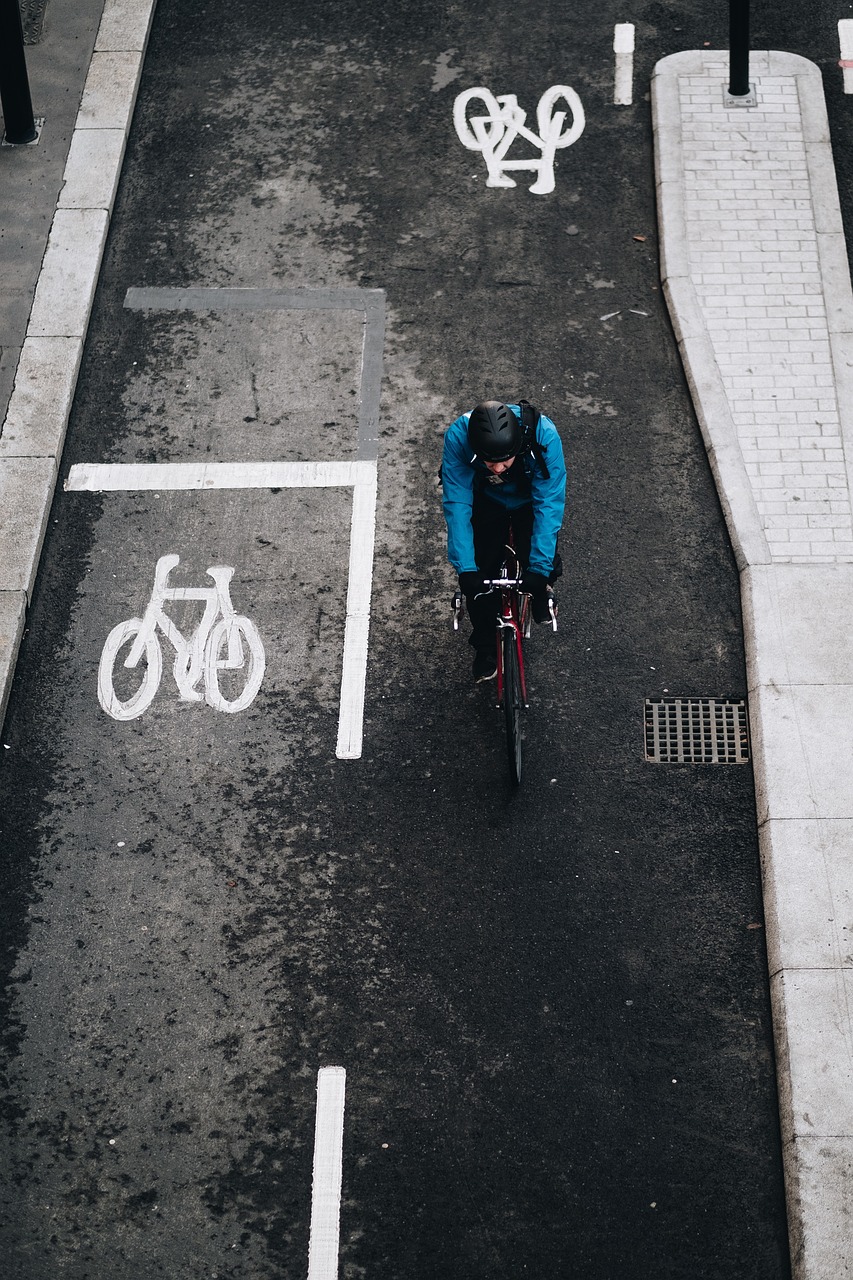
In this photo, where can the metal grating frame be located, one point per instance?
(696, 731)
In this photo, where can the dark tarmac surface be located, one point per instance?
(551, 1004)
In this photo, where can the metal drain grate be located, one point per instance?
(696, 731)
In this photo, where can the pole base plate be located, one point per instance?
(740, 99)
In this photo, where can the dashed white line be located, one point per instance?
(623, 47)
(324, 1239)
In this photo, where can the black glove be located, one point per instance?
(470, 584)
(536, 585)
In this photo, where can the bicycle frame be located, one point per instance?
(515, 612)
(513, 626)
(514, 616)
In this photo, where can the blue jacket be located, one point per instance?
(463, 474)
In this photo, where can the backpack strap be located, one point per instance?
(529, 423)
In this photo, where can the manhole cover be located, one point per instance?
(696, 731)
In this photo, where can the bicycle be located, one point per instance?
(513, 627)
(198, 658)
(494, 133)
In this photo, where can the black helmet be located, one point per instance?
(494, 432)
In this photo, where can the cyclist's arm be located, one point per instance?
(549, 499)
(457, 478)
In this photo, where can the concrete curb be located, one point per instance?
(703, 377)
(797, 622)
(33, 432)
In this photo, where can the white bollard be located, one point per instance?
(623, 47)
(845, 40)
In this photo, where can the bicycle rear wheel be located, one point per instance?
(512, 703)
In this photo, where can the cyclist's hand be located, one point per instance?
(536, 585)
(470, 584)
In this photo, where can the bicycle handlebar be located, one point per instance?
(457, 605)
(491, 583)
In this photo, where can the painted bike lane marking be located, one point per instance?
(360, 474)
(206, 476)
(504, 121)
(198, 658)
(324, 1236)
(494, 133)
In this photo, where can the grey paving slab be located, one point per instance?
(66, 287)
(823, 1192)
(110, 90)
(800, 619)
(809, 893)
(93, 169)
(803, 745)
(26, 492)
(44, 388)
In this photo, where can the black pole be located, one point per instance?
(738, 48)
(14, 85)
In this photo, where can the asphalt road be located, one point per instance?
(551, 1004)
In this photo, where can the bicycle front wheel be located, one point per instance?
(512, 703)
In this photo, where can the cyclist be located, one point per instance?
(502, 465)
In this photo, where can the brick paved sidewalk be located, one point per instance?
(755, 270)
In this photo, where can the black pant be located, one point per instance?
(491, 523)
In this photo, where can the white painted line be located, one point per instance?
(324, 1239)
(845, 41)
(113, 477)
(623, 47)
(356, 634)
(206, 476)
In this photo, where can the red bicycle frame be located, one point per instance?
(514, 614)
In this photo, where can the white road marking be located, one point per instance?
(623, 47)
(217, 644)
(205, 476)
(324, 1239)
(106, 477)
(359, 589)
(845, 41)
(493, 134)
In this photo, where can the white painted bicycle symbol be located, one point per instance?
(223, 641)
(495, 132)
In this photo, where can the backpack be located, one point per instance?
(529, 422)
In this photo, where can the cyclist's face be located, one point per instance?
(498, 468)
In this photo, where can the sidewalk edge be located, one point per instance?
(33, 431)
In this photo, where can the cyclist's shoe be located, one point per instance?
(485, 666)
